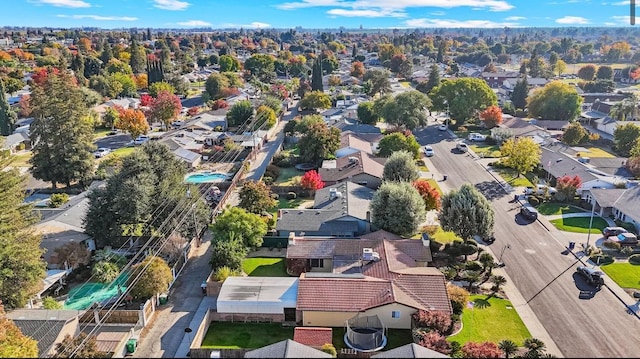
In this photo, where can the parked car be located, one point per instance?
(177, 124)
(442, 127)
(462, 147)
(142, 139)
(612, 231)
(625, 239)
(101, 152)
(594, 277)
(428, 151)
(540, 189)
(476, 137)
(528, 211)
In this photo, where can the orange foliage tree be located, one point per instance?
(492, 116)
(567, 187)
(132, 121)
(142, 81)
(429, 194)
(311, 181)
(164, 108)
(357, 69)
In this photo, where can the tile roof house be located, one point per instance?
(340, 210)
(360, 167)
(523, 128)
(351, 143)
(343, 278)
(286, 349)
(412, 350)
(313, 336)
(48, 327)
(619, 202)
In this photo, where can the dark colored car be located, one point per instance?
(594, 277)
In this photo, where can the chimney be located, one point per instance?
(425, 240)
(292, 239)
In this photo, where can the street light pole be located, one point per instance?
(507, 246)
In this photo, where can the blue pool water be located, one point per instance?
(205, 177)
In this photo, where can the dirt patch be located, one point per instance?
(265, 252)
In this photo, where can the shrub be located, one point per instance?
(533, 200)
(58, 199)
(329, 349)
(611, 244)
(272, 171)
(21, 146)
(50, 303)
(291, 195)
(635, 259)
(437, 321)
(430, 229)
(223, 273)
(490, 141)
(473, 265)
(462, 129)
(601, 259)
(627, 251)
(283, 160)
(267, 180)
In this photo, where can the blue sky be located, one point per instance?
(315, 13)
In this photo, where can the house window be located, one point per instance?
(395, 314)
(316, 263)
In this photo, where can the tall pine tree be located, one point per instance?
(520, 93)
(7, 115)
(138, 57)
(316, 75)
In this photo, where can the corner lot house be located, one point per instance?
(360, 167)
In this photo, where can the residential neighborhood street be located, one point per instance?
(543, 274)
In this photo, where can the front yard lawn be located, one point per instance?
(288, 176)
(395, 338)
(626, 275)
(491, 319)
(509, 175)
(123, 151)
(580, 224)
(595, 152)
(21, 159)
(486, 151)
(551, 208)
(227, 335)
(264, 267)
(101, 132)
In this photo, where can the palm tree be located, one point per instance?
(472, 277)
(508, 347)
(497, 281)
(487, 261)
(535, 347)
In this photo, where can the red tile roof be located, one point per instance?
(313, 336)
(342, 294)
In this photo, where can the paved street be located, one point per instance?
(113, 142)
(540, 268)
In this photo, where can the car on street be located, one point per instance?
(625, 239)
(476, 137)
(142, 139)
(101, 152)
(612, 231)
(594, 277)
(428, 151)
(462, 147)
(528, 211)
(442, 127)
(177, 124)
(540, 190)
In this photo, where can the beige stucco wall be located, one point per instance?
(326, 268)
(337, 319)
(72, 328)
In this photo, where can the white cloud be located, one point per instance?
(64, 3)
(457, 23)
(398, 5)
(514, 18)
(620, 3)
(365, 13)
(618, 21)
(99, 17)
(171, 4)
(576, 20)
(252, 25)
(194, 23)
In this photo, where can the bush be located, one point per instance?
(490, 141)
(533, 200)
(635, 259)
(291, 195)
(58, 199)
(21, 146)
(50, 303)
(611, 244)
(272, 171)
(440, 322)
(223, 273)
(601, 259)
(473, 265)
(329, 349)
(267, 180)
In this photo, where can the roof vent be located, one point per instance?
(338, 195)
(333, 193)
(353, 161)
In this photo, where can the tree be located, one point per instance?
(14, 344)
(132, 121)
(604, 73)
(520, 93)
(400, 167)
(237, 224)
(138, 59)
(316, 75)
(105, 271)
(227, 252)
(498, 281)
(25, 105)
(50, 303)
(625, 137)
(255, 197)
(534, 346)
(522, 154)
(228, 63)
(164, 108)
(157, 87)
(491, 117)
(429, 194)
(239, 113)
(508, 347)
(366, 114)
(7, 115)
(481, 350)
(265, 118)
(399, 141)
(433, 81)
(587, 72)
(215, 83)
(466, 212)
(555, 101)
(633, 165)
(318, 142)
(458, 296)
(409, 109)
(560, 67)
(567, 187)
(398, 208)
(311, 181)
(79, 347)
(261, 66)
(575, 134)
(154, 277)
(116, 65)
(357, 69)
(75, 254)
(315, 100)
(464, 97)
(329, 349)
(378, 81)
(63, 132)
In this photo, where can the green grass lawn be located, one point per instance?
(284, 202)
(595, 152)
(123, 151)
(626, 275)
(509, 175)
(486, 151)
(580, 224)
(444, 237)
(22, 159)
(491, 319)
(264, 267)
(551, 208)
(100, 132)
(288, 176)
(226, 335)
(395, 338)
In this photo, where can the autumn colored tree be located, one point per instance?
(522, 154)
(435, 341)
(315, 100)
(157, 87)
(633, 165)
(164, 108)
(311, 181)
(492, 116)
(145, 100)
(357, 69)
(192, 111)
(78, 347)
(429, 194)
(142, 81)
(40, 76)
(132, 121)
(481, 350)
(458, 297)
(219, 103)
(14, 344)
(255, 197)
(25, 105)
(153, 276)
(567, 187)
(437, 321)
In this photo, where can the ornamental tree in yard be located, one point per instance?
(237, 224)
(555, 101)
(567, 187)
(399, 141)
(145, 100)
(435, 341)
(466, 212)
(575, 134)
(491, 117)
(132, 121)
(522, 154)
(319, 142)
(481, 350)
(311, 181)
(255, 197)
(164, 108)
(400, 167)
(154, 277)
(398, 208)
(429, 194)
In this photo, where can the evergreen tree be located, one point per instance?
(77, 65)
(62, 131)
(316, 75)
(354, 52)
(7, 115)
(106, 54)
(434, 78)
(520, 93)
(441, 51)
(137, 59)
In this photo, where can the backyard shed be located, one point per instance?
(257, 295)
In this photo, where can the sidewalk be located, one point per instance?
(206, 304)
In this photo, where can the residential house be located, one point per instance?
(360, 167)
(268, 298)
(111, 339)
(208, 121)
(497, 79)
(615, 166)
(339, 210)
(332, 115)
(190, 158)
(621, 203)
(351, 143)
(412, 350)
(286, 349)
(523, 128)
(558, 164)
(552, 125)
(48, 327)
(608, 125)
(314, 337)
(13, 142)
(374, 275)
(356, 127)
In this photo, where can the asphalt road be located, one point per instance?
(113, 142)
(539, 267)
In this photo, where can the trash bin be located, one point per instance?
(163, 299)
(572, 245)
(131, 345)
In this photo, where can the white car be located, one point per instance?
(142, 139)
(177, 124)
(101, 152)
(540, 189)
(462, 147)
(428, 151)
(476, 137)
(442, 127)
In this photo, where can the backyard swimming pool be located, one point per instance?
(205, 177)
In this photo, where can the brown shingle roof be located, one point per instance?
(367, 164)
(313, 336)
(349, 140)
